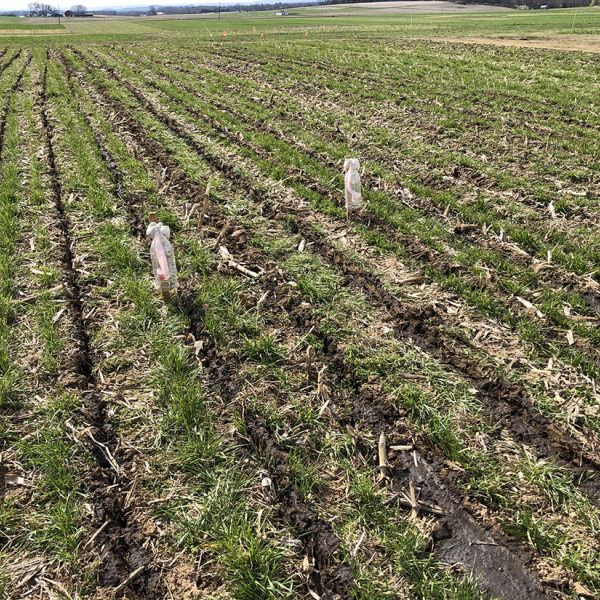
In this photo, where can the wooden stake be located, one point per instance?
(414, 505)
(165, 291)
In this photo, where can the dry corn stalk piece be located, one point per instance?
(222, 233)
(322, 387)
(382, 453)
(414, 505)
(529, 306)
(311, 371)
(226, 256)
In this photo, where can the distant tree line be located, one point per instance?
(43, 9)
(193, 10)
(531, 4)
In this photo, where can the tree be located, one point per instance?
(78, 10)
(40, 9)
(153, 10)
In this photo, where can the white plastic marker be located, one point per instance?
(163, 257)
(353, 185)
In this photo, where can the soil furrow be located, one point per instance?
(120, 552)
(10, 61)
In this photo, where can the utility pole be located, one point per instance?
(219, 11)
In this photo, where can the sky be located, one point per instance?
(93, 4)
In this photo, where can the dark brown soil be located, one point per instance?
(330, 576)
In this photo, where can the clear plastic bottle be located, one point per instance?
(353, 185)
(163, 258)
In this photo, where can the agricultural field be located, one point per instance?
(399, 405)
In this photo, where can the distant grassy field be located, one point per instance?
(397, 405)
(10, 24)
(447, 24)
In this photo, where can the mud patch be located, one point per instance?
(330, 576)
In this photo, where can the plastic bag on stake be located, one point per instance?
(353, 186)
(163, 257)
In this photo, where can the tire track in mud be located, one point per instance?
(489, 560)
(15, 87)
(320, 543)
(10, 61)
(120, 552)
(496, 561)
(549, 274)
(506, 404)
(330, 576)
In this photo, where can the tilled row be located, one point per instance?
(7, 105)
(501, 397)
(115, 540)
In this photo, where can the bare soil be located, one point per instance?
(577, 43)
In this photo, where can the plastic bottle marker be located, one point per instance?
(163, 257)
(353, 188)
